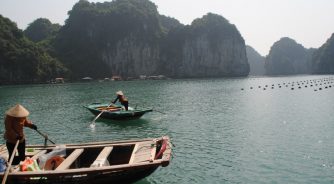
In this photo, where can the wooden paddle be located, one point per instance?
(45, 136)
(92, 125)
(10, 162)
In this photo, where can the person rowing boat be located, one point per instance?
(124, 101)
(15, 120)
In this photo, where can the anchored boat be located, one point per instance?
(96, 163)
(117, 112)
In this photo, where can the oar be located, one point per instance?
(45, 136)
(10, 162)
(92, 124)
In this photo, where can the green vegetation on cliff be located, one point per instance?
(287, 57)
(41, 29)
(22, 61)
(216, 28)
(169, 23)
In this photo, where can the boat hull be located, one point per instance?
(128, 161)
(121, 176)
(117, 115)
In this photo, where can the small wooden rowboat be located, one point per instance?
(97, 163)
(117, 112)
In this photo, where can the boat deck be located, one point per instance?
(143, 152)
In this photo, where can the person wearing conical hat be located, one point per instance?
(124, 101)
(15, 120)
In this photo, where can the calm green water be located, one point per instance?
(222, 134)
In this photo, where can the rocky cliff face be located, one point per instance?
(112, 38)
(129, 38)
(323, 58)
(131, 58)
(209, 47)
(200, 60)
(256, 61)
(287, 57)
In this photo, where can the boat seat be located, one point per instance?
(102, 158)
(70, 159)
(142, 152)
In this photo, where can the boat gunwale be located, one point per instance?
(135, 110)
(90, 170)
(164, 161)
(98, 144)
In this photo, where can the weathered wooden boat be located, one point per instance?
(97, 163)
(116, 112)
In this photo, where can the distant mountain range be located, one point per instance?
(287, 57)
(256, 61)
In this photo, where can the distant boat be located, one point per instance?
(116, 78)
(117, 112)
(59, 80)
(87, 79)
(97, 163)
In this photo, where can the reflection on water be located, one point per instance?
(222, 134)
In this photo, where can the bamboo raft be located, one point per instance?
(97, 163)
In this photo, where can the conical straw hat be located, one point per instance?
(18, 111)
(119, 93)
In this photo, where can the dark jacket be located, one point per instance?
(14, 128)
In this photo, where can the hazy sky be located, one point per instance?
(260, 22)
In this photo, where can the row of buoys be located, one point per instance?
(323, 83)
